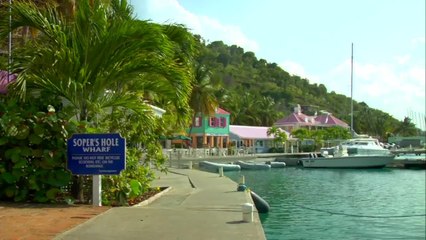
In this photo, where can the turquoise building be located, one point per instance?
(210, 131)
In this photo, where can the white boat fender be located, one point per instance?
(261, 205)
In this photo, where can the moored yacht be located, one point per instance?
(353, 153)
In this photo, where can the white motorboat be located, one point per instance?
(363, 152)
(353, 153)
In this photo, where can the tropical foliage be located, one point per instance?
(32, 153)
(280, 137)
(320, 137)
(105, 68)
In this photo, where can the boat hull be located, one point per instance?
(253, 166)
(348, 162)
(214, 167)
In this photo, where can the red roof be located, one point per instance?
(296, 119)
(330, 120)
(221, 111)
(4, 80)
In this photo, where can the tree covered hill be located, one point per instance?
(257, 93)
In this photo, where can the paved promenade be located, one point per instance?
(198, 205)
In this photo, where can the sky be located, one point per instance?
(313, 39)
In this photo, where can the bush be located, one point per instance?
(33, 154)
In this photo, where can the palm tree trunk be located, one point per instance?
(192, 125)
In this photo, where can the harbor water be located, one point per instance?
(340, 203)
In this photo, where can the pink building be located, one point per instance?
(5, 79)
(298, 119)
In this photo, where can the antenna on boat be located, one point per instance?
(352, 104)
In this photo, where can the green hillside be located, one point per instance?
(258, 93)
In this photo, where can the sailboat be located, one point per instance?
(358, 152)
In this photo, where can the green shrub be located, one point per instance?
(33, 154)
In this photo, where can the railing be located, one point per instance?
(204, 152)
(187, 156)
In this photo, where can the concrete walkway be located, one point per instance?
(198, 205)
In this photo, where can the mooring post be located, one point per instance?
(220, 171)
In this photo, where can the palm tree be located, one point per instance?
(98, 59)
(203, 100)
(406, 128)
(267, 111)
(279, 135)
(101, 58)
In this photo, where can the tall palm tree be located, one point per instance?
(203, 98)
(100, 58)
(267, 111)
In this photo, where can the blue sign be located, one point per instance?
(96, 154)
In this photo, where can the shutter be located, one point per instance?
(223, 122)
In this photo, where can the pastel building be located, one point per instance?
(216, 132)
(300, 120)
(252, 137)
(210, 131)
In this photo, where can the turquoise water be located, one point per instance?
(340, 203)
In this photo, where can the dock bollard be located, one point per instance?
(220, 171)
(247, 210)
(242, 184)
(242, 180)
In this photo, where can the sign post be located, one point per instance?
(96, 154)
(97, 190)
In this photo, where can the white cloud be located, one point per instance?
(214, 30)
(402, 59)
(390, 87)
(297, 69)
(418, 41)
(170, 11)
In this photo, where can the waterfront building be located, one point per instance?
(216, 132)
(253, 138)
(297, 119)
(406, 142)
(210, 131)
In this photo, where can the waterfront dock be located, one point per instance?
(187, 158)
(197, 205)
(415, 151)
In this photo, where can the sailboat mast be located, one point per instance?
(9, 49)
(352, 104)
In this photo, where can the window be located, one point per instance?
(213, 122)
(198, 122)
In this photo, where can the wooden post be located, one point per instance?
(204, 140)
